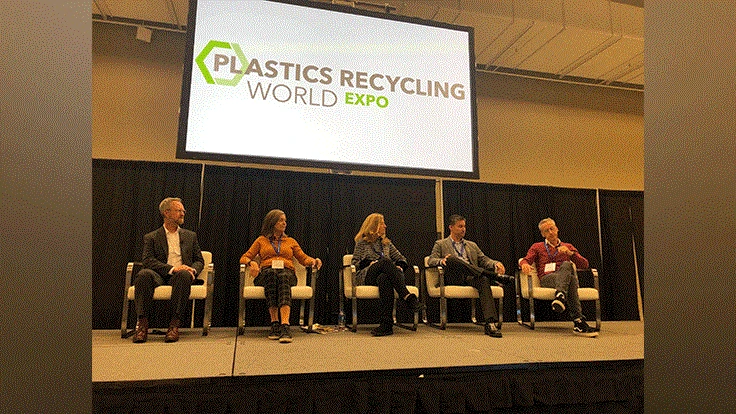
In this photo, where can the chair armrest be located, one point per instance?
(417, 281)
(312, 275)
(587, 277)
(211, 274)
(129, 273)
(210, 280)
(441, 280)
(353, 276)
(243, 269)
(595, 279)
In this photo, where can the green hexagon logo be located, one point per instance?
(211, 45)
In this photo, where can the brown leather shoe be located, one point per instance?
(141, 331)
(172, 335)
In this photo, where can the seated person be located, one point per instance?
(465, 264)
(553, 260)
(276, 270)
(171, 256)
(379, 263)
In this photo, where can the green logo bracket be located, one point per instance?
(202, 56)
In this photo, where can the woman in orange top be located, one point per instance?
(276, 270)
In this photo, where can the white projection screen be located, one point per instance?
(313, 84)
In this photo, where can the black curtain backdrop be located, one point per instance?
(503, 220)
(125, 199)
(622, 228)
(324, 212)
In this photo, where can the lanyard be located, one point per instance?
(556, 251)
(461, 252)
(275, 248)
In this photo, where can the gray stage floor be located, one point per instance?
(221, 353)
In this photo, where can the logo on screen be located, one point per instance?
(222, 60)
(224, 63)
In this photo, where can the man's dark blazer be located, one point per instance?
(156, 251)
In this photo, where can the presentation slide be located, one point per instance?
(295, 84)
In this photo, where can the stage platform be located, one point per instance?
(525, 368)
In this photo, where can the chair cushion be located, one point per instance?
(463, 292)
(542, 293)
(301, 292)
(588, 293)
(371, 292)
(258, 292)
(254, 292)
(164, 292)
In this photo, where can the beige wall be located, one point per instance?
(529, 131)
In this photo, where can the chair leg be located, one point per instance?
(531, 312)
(191, 324)
(241, 302)
(443, 319)
(124, 332)
(473, 313)
(443, 316)
(402, 325)
(519, 318)
(207, 320)
(355, 315)
(309, 328)
(499, 324)
(598, 315)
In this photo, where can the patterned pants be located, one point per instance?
(277, 283)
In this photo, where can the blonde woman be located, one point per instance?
(379, 263)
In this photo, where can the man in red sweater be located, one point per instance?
(553, 260)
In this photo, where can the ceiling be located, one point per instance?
(594, 42)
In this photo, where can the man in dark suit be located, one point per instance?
(465, 264)
(171, 256)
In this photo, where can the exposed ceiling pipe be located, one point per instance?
(571, 82)
(129, 22)
(623, 69)
(510, 44)
(102, 7)
(612, 40)
(503, 31)
(173, 15)
(542, 45)
(564, 27)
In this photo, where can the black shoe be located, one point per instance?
(275, 330)
(285, 337)
(492, 331)
(414, 304)
(558, 305)
(383, 330)
(581, 328)
(505, 279)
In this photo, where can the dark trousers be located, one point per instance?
(147, 280)
(388, 278)
(460, 272)
(277, 285)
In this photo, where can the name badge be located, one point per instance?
(277, 264)
(550, 267)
